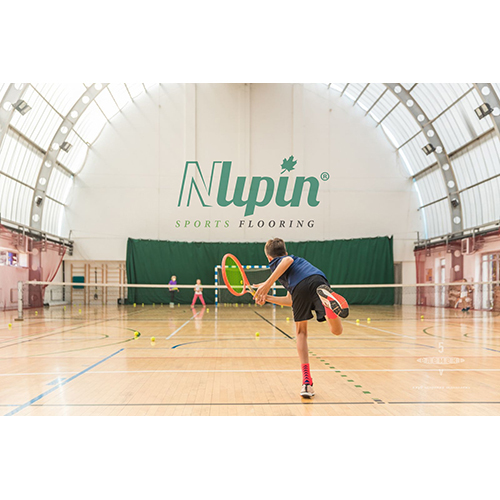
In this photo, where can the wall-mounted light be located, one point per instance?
(484, 110)
(428, 149)
(455, 202)
(22, 106)
(66, 146)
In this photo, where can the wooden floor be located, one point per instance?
(63, 362)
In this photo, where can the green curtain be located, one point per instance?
(356, 261)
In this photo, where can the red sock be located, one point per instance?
(330, 313)
(306, 375)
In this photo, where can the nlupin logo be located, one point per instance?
(209, 194)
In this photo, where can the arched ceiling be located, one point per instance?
(458, 182)
(36, 166)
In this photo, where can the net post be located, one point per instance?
(19, 301)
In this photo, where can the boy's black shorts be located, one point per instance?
(305, 299)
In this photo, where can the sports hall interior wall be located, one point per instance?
(356, 261)
(130, 184)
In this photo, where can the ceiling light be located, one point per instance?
(23, 107)
(428, 149)
(484, 110)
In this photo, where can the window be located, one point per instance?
(490, 271)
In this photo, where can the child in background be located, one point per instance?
(198, 293)
(172, 288)
(464, 299)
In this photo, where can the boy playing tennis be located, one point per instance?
(308, 290)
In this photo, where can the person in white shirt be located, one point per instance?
(464, 300)
(198, 293)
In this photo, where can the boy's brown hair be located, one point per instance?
(275, 248)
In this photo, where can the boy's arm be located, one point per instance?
(285, 263)
(281, 301)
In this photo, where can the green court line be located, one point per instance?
(82, 349)
(345, 376)
(85, 348)
(455, 340)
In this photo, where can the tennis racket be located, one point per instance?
(234, 276)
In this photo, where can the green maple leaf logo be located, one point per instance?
(289, 164)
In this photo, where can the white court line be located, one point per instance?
(385, 331)
(315, 370)
(181, 327)
(263, 371)
(29, 374)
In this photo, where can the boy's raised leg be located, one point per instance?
(333, 301)
(334, 323)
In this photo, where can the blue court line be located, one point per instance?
(40, 396)
(56, 381)
(181, 327)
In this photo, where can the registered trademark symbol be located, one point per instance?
(325, 176)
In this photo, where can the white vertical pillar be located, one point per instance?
(19, 301)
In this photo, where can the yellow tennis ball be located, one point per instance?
(136, 334)
(357, 321)
(257, 334)
(79, 311)
(422, 317)
(135, 304)
(36, 313)
(208, 310)
(288, 319)
(143, 304)
(10, 326)
(368, 319)
(152, 339)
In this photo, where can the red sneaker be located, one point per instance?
(333, 301)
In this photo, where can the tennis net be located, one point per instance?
(450, 297)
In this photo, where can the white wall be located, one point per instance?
(131, 182)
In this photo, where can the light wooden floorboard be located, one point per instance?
(61, 362)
